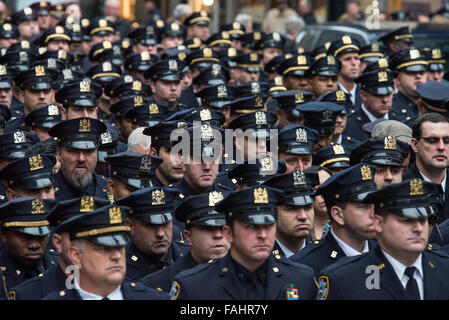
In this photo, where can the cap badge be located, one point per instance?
(51, 63)
(137, 85)
(276, 36)
(382, 76)
(107, 66)
(84, 86)
(115, 215)
(260, 195)
(253, 57)
(2, 70)
(346, 40)
(67, 74)
(225, 35)
(236, 26)
(7, 27)
(182, 56)
(301, 135)
(340, 95)
(138, 101)
(182, 125)
(331, 60)
(172, 65)
(40, 71)
(25, 44)
(436, 54)
(53, 110)
(366, 173)
(59, 30)
(153, 108)
(267, 164)
(160, 23)
(145, 56)
(106, 137)
(278, 81)
(222, 92)
(327, 116)
(126, 44)
(84, 125)
(145, 164)
(28, 11)
(216, 69)
(416, 187)
(382, 63)
(258, 102)
(299, 97)
(414, 54)
(375, 47)
(338, 149)
(299, 178)
(76, 27)
(158, 197)
(87, 204)
(302, 60)
(128, 79)
(19, 137)
(214, 197)
(37, 207)
(260, 118)
(390, 143)
(102, 23)
(203, 13)
(205, 115)
(175, 27)
(232, 52)
(255, 88)
(23, 57)
(206, 131)
(85, 23)
(36, 163)
(257, 36)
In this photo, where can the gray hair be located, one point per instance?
(244, 19)
(137, 138)
(79, 243)
(181, 10)
(294, 23)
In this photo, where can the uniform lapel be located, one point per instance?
(431, 278)
(273, 283)
(228, 279)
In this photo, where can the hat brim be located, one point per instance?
(390, 161)
(119, 239)
(156, 218)
(259, 218)
(380, 91)
(297, 150)
(209, 222)
(35, 231)
(299, 200)
(82, 144)
(415, 68)
(414, 212)
(136, 183)
(36, 183)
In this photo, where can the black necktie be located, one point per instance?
(105, 298)
(411, 289)
(256, 289)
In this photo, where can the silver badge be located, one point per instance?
(222, 92)
(23, 57)
(19, 137)
(327, 116)
(128, 79)
(216, 69)
(299, 178)
(206, 131)
(301, 135)
(182, 125)
(260, 117)
(67, 73)
(51, 63)
(116, 50)
(255, 88)
(276, 36)
(172, 65)
(266, 164)
(145, 164)
(106, 137)
(205, 115)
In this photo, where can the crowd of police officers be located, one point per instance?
(96, 206)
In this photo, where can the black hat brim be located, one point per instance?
(302, 200)
(35, 231)
(262, 218)
(119, 239)
(82, 144)
(157, 218)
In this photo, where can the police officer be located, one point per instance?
(296, 146)
(249, 65)
(271, 45)
(295, 216)
(78, 142)
(386, 154)
(9, 34)
(436, 60)
(26, 22)
(198, 25)
(105, 279)
(170, 170)
(411, 66)
(144, 40)
(397, 39)
(433, 97)
(334, 157)
(13, 145)
(216, 97)
(153, 246)
(323, 75)
(204, 232)
(56, 38)
(352, 220)
(294, 72)
(136, 64)
(247, 273)
(40, 120)
(406, 270)
(286, 106)
(172, 35)
(131, 171)
(54, 279)
(25, 232)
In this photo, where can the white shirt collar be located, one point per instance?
(288, 253)
(443, 183)
(349, 251)
(351, 93)
(372, 117)
(114, 295)
(399, 268)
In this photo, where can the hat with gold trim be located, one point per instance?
(80, 93)
(173, 30)
(199, 210)
(248, 104)
(333, 156)
(26, 14)
(413, 199)
(147, 115)
(121, 107)
(30, 172)
(27, 215)
(81, 133)
(104, 226)
(58, 11)
(45, 117)
(144, 35)
(236, 30)
(202, 58)
(344, 45)
(250, 40)
(255, 205)
(104, 72)
(220, 39)
(9, 31)
(271, 40)
(257, 171)
(56, 33)
(436, 58)
(250, 62)
(351, 184)
(200, 18)
(371, 53)
(41, 8)
(399, 34)
(378, 81)
(140, 61)
(101, 27)
(434, 96)
(36, 78)
(327, 66)
(153, 205)
(411, 60)
(295, 66)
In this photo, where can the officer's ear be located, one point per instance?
(152, 85)
(337, 215)
(378, 221)
(153, 151)
(74, 255)
(64, 113)
(421, 108)
(10, 194)
(188, 235)
(130, 223)
(227, 231)
(111, 187)
(21, 95)
(57, 242)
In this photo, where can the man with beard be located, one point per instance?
(25, 232)
(352, 220)
(54, 279)
(204, 232)
(78, 142)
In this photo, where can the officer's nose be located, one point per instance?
(159, 232)
(301, 214)
(418, 226)
(41, 95)
(33, 244)
(81, 156)
(299, 165)
(388, 175)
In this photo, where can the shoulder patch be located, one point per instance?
(174, 291)
(323, 288)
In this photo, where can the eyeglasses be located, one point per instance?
(435, 140)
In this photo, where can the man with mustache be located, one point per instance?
(25, 231)
(430, 144)
(204, 232)
(406, 271)
(249, 271)
(352, 220)
(97, 251)
(151, 221)
(411, 66)
(78, 142)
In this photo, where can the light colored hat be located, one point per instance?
(392, 128)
